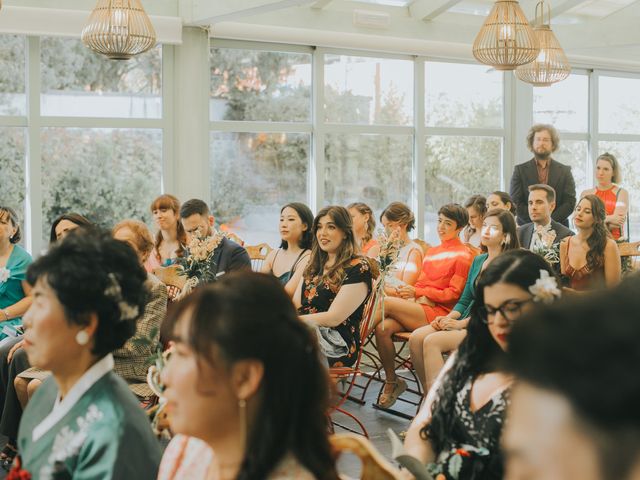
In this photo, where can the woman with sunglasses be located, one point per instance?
(457, 431)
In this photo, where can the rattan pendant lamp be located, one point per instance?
(506, 40)
(551, 65)
(119, 29)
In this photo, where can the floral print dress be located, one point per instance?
(472, 451)
(318, 296)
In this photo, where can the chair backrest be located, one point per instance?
(631, 251)
(374, 465)
(368, 313)
(171, 277)
(257, 254)
(232, 236)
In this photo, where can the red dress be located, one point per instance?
(610, 199)
(444, 273)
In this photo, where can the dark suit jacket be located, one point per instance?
(229, 256)
(525, 232)
(560, 178)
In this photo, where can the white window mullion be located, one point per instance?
(419, 139)
(33, 170)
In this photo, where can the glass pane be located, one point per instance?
(455, 169)
(374, 169)
(370, 91)
(462, 95)
(105, 174)
(575, 154)
(628, 154)
(619, 105)
(252, 176)
(77, 82)
(12, 153)
(565, 105)
(253, 85)
(12, 74)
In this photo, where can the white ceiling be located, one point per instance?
(594, 33)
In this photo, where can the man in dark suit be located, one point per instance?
(543, 232)
(543, 140)
(228, 255)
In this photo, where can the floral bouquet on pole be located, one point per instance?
(390, 245)
(197, 264)
(546, 246)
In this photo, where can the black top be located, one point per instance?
(318, 296)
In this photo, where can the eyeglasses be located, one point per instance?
(510, 311)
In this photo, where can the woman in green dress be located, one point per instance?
(83, 422)
(14, 261)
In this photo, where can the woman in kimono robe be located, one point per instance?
(14, 261)
(83, 422)
(246, 391)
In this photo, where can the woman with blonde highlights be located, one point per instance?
(364, 225)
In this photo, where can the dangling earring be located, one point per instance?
(242, 405)
(82, 337)
(507, 239)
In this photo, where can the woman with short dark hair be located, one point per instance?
(245, 389)
(66, 223)
(89, 292)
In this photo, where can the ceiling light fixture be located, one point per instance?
(119, 29)
(506, 40)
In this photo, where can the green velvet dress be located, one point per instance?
(98, 431)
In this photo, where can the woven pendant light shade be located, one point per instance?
(119, 29)
(551, 65)
(506, 40)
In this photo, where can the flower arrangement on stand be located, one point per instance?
(547, 247)
(390, 245)
(197, 264)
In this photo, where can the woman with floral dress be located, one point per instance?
(335, 286)
(457, 431)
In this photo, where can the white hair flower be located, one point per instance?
(545, 289)
(5, 273)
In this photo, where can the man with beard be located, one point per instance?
(543, 140)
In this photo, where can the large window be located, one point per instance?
(12, 162)
(12, 75)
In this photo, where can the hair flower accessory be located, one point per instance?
(545, 289)
(5, 273)
(113, 291)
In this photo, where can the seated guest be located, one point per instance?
(66, 223)
(614, 197)
(198, 222)
(398, 217)
(502, 200)
(457, 431)
(171, 238)
(574, 407)
(590, 259)
(444, 273)
(83, 422)
(14, 260)
(289, 261)
(335, 286)
(543, 233)
(444, 334)
(234, 362)
(364, 225)
(476, 206)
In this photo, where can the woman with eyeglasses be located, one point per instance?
(457, 431)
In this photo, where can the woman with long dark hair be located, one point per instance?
(335, 286)
(245, 388)
(66, 223)
(590, 259)
(502, 200)
(171, 237)
(289, 261)
(476, 206)
(457, 431)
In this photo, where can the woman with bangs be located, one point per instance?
(289, 261)
(171, 237)
(246, 392)
(335, 286)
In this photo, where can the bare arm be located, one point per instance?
(267, 265)
(619, 215)
(297, 296)
(564, 244)
(293, 282)
(611, 263)
(413, 267)
(347, 300)
(20, 307)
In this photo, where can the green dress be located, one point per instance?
(11, 290)
(98, 431)
(465, 302)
